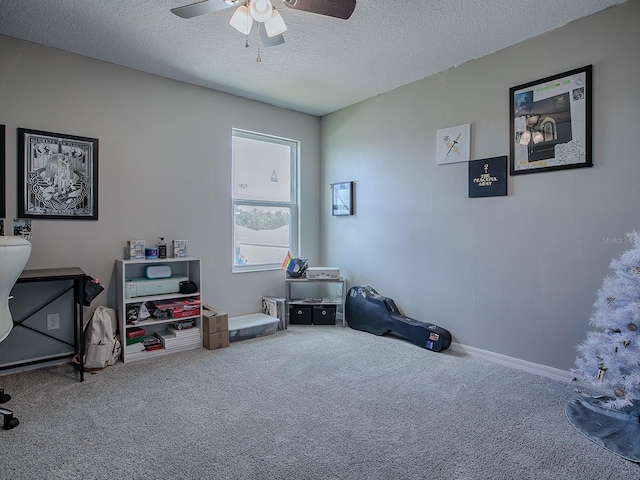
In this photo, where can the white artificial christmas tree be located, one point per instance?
(610, 358)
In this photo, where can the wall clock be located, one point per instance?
(454, 144)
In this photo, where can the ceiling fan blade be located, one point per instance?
(200, 8)
(331, 8)
(268, 41)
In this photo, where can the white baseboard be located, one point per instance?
(535, 368)
(33, 366)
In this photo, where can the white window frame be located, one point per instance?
(294, 234)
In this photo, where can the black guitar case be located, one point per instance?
(369, 311)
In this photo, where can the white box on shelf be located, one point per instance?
(320, 273)
(180, 248)
(143, 287)
(136, 249)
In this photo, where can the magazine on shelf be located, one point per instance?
(192, 332)
(134, 348)
(275, 307)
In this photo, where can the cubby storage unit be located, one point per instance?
(187, 268)
(320, 299)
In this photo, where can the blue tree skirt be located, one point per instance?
(616, 430)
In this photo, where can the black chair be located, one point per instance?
(14, 254)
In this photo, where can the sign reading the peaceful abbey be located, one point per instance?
(488, 177)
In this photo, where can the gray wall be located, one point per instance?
(514, 275)
(164, 166)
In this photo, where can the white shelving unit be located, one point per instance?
(127, 269)
(320, 291)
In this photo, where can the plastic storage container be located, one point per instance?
(251, 326)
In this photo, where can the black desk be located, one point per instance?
(75, 275)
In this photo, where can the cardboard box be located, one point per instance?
(214, 321)
(213, 341)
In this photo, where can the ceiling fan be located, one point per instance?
(269, 20)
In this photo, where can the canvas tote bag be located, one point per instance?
(102, 346)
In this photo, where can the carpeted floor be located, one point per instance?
(307, 403)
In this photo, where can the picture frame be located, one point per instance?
(488, 177)
(453, 144)
(550, 123)
(22, 228)
(57, 176)
(342, 195)
(3, 179)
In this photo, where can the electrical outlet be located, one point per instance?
(53, 321)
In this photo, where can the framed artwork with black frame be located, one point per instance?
(57, 176)
(3, 185)
(342, 198)
(550, 123)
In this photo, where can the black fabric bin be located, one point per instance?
(299, 315)
(324, 315)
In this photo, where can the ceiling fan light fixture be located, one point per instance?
(241, 20)
(261, 10)
(275, 25)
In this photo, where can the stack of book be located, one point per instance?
(134, 348)
(135, 337)
(152, 343)
(175, 338)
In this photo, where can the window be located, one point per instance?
(265, 214)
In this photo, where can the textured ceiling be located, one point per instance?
(325, 63)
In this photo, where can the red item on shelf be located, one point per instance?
(135, 332)
(181, 313)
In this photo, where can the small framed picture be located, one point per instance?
(453, 144)
(22, 228)
(488, 177)
(342, 198)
